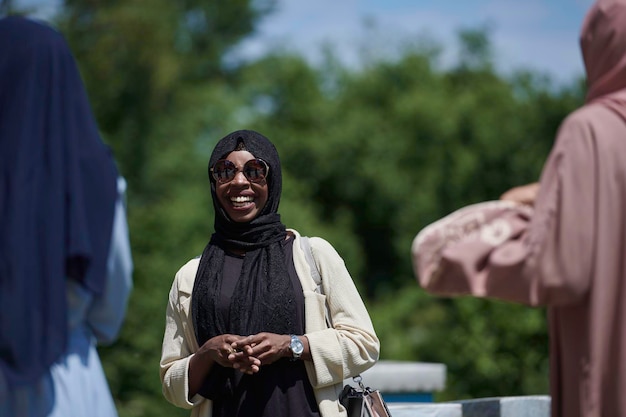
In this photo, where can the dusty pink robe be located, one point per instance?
(570, 252)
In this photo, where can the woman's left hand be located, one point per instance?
(267, 347)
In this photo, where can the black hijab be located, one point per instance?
(263, 300)
(57, 196)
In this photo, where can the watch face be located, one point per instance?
(296, 346)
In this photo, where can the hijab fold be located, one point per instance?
(264, 299)
(57, 196)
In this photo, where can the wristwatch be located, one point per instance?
(296, 347)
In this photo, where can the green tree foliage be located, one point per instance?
(370, 156)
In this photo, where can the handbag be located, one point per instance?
(465, 242)
(363, 401)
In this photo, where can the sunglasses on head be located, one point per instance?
(224, 171)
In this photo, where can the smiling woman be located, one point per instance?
(238, 339)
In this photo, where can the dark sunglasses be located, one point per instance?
(224, 171)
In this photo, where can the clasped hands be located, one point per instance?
(247, 353)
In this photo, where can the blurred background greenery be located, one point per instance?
(370, 156)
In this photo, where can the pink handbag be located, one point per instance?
(462, 243)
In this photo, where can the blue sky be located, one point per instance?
(541, 35)
(536, 34)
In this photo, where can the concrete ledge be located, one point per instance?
(425, 410)
(521, 406)
(404, 377)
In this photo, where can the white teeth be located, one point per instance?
(241, 199)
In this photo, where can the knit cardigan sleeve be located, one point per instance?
(350, 346)
(179, 343)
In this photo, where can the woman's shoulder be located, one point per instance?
(322, 245)
(590, 115)
(319, 246)
(186, 275)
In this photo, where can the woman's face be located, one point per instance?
(241, 199)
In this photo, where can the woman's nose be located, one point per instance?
(240, 178)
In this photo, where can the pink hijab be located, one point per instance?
(603, 46)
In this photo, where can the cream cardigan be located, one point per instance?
(338, 353)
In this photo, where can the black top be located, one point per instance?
(279, 389)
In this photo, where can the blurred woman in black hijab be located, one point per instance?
(65, 265)
(246, 331)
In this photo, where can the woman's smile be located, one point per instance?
(241, 201)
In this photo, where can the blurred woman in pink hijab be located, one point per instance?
(560, 243)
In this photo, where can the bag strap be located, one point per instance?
(308, 254)
(315, 273)
(317, 277)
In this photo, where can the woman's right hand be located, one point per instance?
(524, 194)
(218, 349)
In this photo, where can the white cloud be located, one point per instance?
(537, 34)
